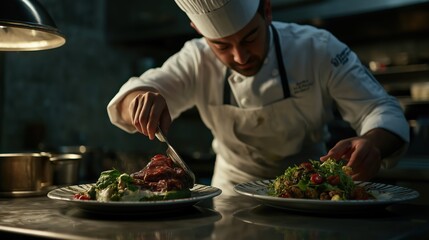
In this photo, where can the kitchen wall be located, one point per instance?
(58, 97)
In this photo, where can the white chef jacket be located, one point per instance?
(264, 133)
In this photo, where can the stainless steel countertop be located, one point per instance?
(224, 217)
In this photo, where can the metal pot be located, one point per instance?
(25, 172)
(66, 168)
(90, 165)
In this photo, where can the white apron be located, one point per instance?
(260, 143)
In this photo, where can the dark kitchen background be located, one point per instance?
(56, 100)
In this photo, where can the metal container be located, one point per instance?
(90, 165)
(66, 168)
(25, 172)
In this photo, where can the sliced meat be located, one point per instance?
(161, 174)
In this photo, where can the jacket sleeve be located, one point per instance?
(176, 75)
(360, 98)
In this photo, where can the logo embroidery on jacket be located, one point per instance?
(302, 86)
(341, 58)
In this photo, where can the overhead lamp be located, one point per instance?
(25, 25)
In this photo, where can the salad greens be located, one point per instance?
(112, 185)
(329, 180)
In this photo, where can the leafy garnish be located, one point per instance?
(314, 179)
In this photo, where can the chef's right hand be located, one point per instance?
(145, 110)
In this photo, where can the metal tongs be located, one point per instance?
(174, 156)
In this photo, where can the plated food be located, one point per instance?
(131, 208)
(160, 179)
(329, 180)
(385, 195)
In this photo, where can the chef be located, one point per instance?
(266, 90)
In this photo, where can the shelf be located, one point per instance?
(339, 8)
(405, 69)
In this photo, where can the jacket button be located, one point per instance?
(244, 102)
(237, 79)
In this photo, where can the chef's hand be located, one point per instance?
(145, 110)
(365, 153)
(361, 156)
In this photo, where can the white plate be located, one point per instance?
(385, 195)
(198, 193)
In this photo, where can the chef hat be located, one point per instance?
(219, 18)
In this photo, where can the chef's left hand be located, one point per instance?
(362, 156)
(365, 153)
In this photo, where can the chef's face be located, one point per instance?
(244, 51)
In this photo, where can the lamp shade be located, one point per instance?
(26, 26)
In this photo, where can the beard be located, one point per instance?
(251, 67)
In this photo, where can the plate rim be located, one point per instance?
(241, 189)
(52, 195)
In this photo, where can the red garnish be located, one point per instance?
(316, 178)
(307, 166)
(333, 180)
(80, 196)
